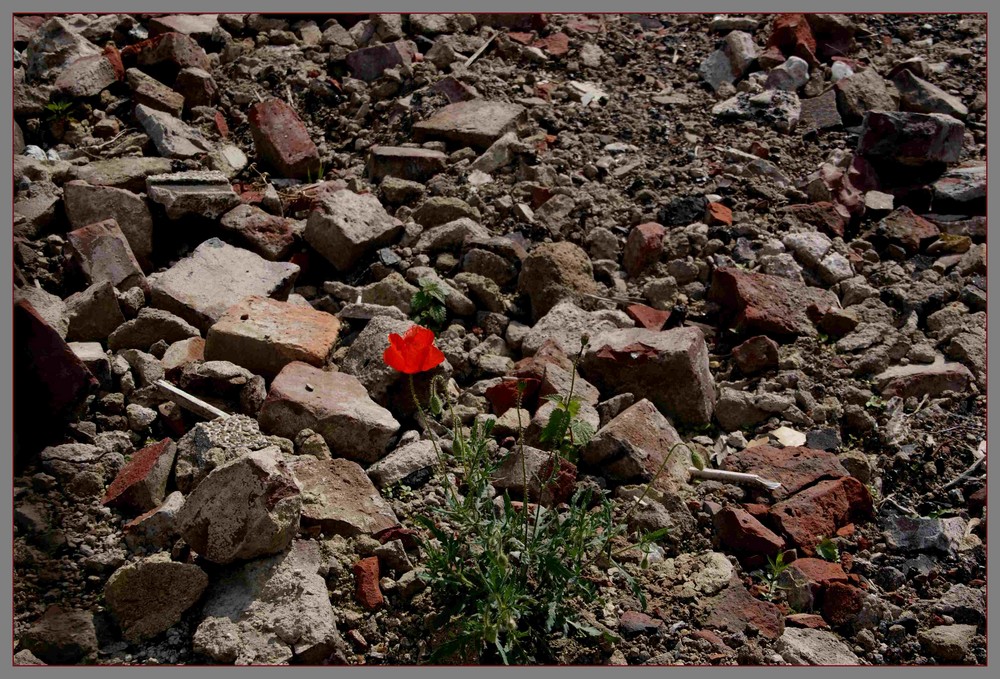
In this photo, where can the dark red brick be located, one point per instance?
(282, 140)
(743, 534)
(761, 304)
(141, 483)
(49, 379)
(794, 467)
(820, 510)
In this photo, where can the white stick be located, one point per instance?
(733, 477)
(192, 403)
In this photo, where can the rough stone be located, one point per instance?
(54, 45)
(411, 465)
(565, 325)
(452, 235)
(417, 165)
(172, 137)
(814, 647)
(369, 63)
(920, 96)
(149, 92)
(757, 354)
(123, 173)
(344, 227)
(924, 380)
(211, 444)
(633, 445)
(54, 311)
(149, 596)
(197, 86)
(911, 138)
(339, 498)
(87, 77)
(862, 92)
(949, 643)
(149, 327)
(243, 509)
(554, 272)
(102, 253)
(173, 48)
(61, 636)
(670, 368)
(333, 404)
(249, 617)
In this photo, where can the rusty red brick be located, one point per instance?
(142, 482)
(282, 140)
(366, 576)
(718, 214)
(643, 247)
(647, 317)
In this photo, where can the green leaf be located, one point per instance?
(582, 432)
(556, 426)
(827, 549)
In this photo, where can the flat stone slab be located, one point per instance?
(123, 173)
(86, 204)
(203, 193)
(150, 92)
(264, 335)
(477, 123)
(402, 162)
(201, 287)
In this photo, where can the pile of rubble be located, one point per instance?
(770, 230)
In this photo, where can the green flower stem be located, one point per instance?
(433, 437)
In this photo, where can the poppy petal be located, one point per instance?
(432, 359)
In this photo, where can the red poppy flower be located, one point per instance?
(413, 352)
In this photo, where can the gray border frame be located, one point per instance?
(319, 6)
